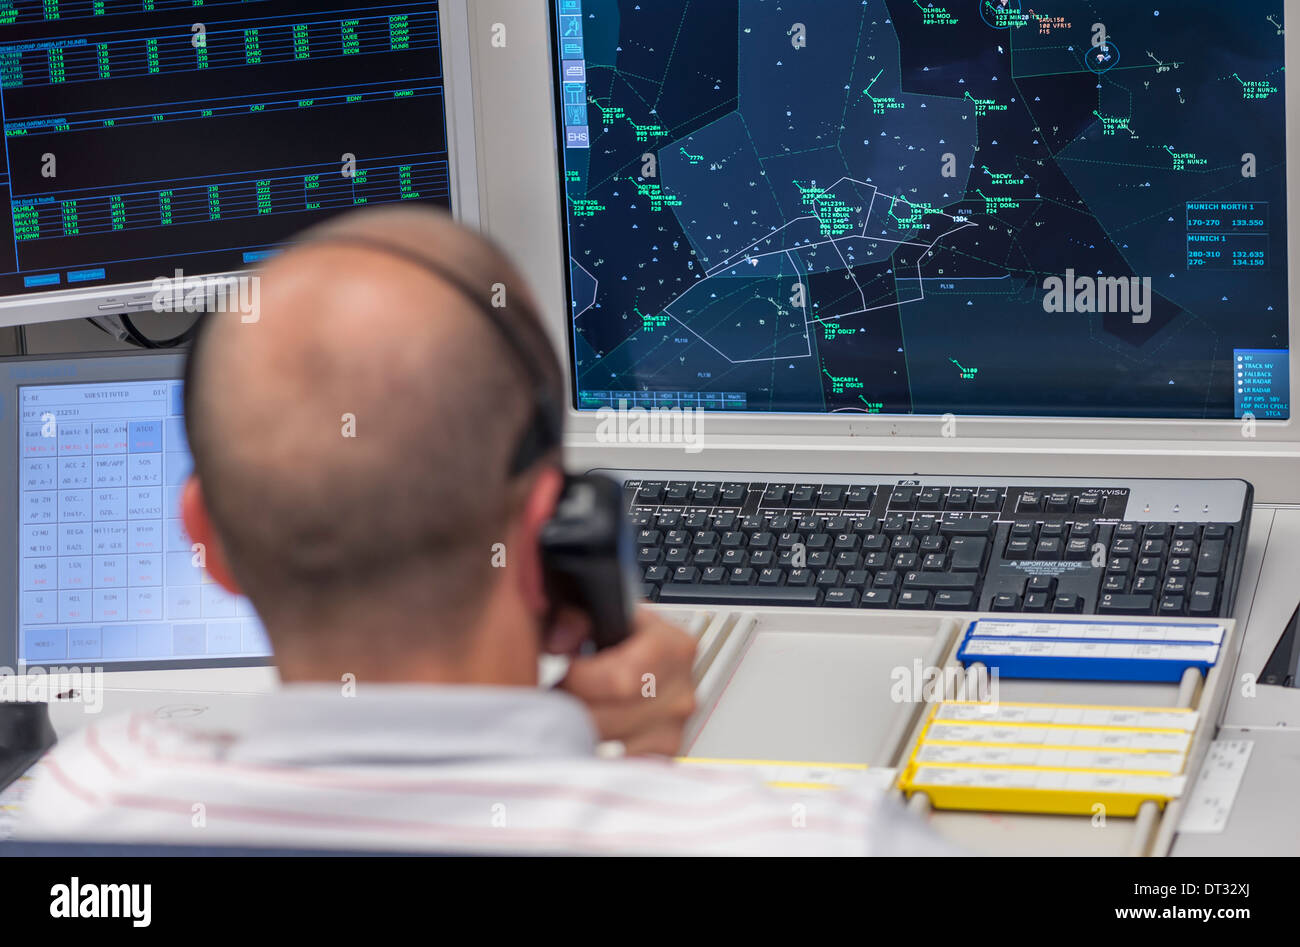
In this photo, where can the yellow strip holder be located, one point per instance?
(1116, 802)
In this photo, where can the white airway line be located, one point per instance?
(595, 288)
(807, 322)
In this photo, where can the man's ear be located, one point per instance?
(526, 558)
(198, 525)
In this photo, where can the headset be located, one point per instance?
(586, 548)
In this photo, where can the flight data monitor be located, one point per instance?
(1070, 208)
(106, 572)
(146, 136)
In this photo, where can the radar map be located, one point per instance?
(912, 207)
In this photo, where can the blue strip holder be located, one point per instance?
(1046, 667)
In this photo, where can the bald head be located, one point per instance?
(355, 440)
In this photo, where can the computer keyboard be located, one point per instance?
(1058, 546)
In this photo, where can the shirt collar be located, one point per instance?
(313, 724)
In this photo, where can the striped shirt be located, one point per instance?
(459, 769)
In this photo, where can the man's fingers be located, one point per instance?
(619, 673)
(648, 725)
(661, 741)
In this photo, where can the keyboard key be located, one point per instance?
(1058, 501)
(846, 542)
(1006, 602)
(1037, 602)
(733, 494)
(678, 492)
(903, 498)
(1031, 501)
(957, 581)
(988, 498)
(676, 593)
(932, 545)
(831, 497)
(1124, 547)
(776, 494)
(914, 599)
(1067, 602)
(830, 578)
(706, 493)
(1204, 599)
(1115, 583)
(1041, 583)
(1110, 604)
(1210, 561)
(819, 542)
(707, 557)
(1018, 549)
(960, 498)
(905, 544)
(953, 600)
(714, 575)
(841, 598)
(1149, 565)
(925, 525)
(1171, 605)
(860, 497)
(1217, 531)
(1088, 503)
(876, 598)
(651, 492)
(1048, 549)
(906, 562)
(978, 525)
(895, 524)
(804, 496)
(931, 498)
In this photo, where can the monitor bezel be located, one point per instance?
(866, 431)
(116, 298)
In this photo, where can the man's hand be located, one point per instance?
(640, 692)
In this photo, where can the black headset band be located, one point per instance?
(544, 432)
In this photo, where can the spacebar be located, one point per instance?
(686, 594)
